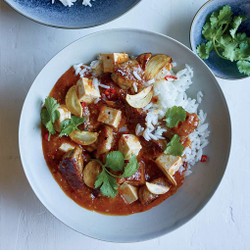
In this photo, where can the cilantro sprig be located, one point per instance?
(49, 114)
(69, 125)
(107, 180)
(174, 147)
(175, 115)
(220, 31)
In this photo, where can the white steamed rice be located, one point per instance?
(171, 92)
(69, 3)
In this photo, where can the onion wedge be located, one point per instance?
(83, 137)
(155, 65)
(141, 99)
(156, 188)
(72, 102)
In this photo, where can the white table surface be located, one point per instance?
(25, 47)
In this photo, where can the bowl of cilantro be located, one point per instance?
(220, 35)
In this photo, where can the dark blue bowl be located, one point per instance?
(220, 67)
(76, 16)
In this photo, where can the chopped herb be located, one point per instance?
(174, 147)
(175, 115)
(108, 184)
(131, 168)
(69, 125)
(115, 162)
(221, 34)
(49, 114)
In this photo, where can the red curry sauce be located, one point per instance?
(83, 195)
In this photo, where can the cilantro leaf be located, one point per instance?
(108, 184)
(175, 115)
(244, 67)
(115, 160)
(236, 23)
(69, 125)
(174, 147)
(131, 167)
(51, 105)
(220, 31)
(204, 49)
(106, 180)
(49, 114)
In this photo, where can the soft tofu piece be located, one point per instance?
(65, 147)
(129, 145)
(86, 91)
(136, 179)
(129, 192)
(169, 164)
(110, 116)
(110, 59)
(64, 115)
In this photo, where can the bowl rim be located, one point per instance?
(72, 28)
(158, 233)
(194, 49)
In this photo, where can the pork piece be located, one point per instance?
(188, 126)
(154, 147)
(125, 74)
(71, 167)
(146, 197)
(137, 179)
(91, 114)
(143, 59)
(134, 116)
(105, 140)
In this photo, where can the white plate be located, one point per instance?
(197, 188)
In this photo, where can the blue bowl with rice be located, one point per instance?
(72, 14)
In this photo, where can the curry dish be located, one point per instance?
(96, 141)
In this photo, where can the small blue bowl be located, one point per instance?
(74, 17)
(220, 67)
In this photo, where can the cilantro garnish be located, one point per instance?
(49, 114)
(115, 162)
(69, 125)
(175, 115)
(220, 31)
(174, 147)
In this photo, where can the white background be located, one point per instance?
(25, 47)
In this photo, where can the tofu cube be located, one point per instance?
(110, 59)
(64, 115)
(129, 145)
(110, 116)
(86, 91)
(129, 192)
(169, 164)
(65, 147)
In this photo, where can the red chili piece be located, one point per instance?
(126, 161)
(46, 136)
(109, 92)
(170, 76)
(84, 104)
(203, 158)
